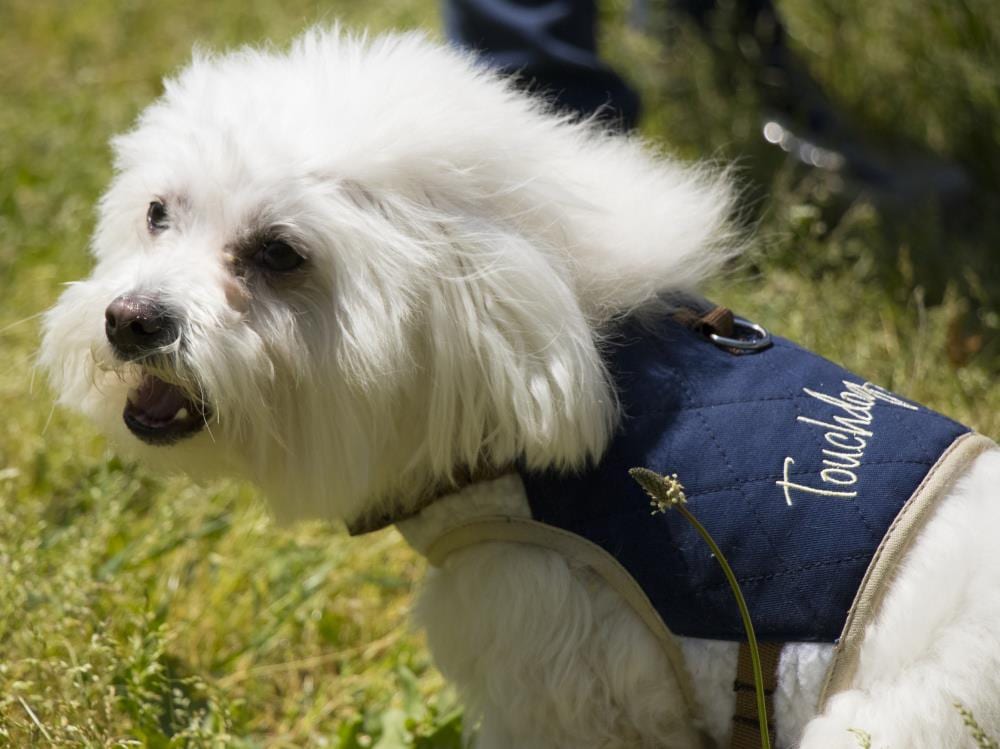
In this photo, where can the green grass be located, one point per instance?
(137, 610)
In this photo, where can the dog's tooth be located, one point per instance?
(133, 396)
(182, 413)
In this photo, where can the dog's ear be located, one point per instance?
(515, 370)
(481, 327)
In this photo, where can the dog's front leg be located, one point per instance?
(546, 656)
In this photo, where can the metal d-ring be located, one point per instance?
(760, 338)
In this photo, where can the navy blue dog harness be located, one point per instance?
(813, 482)
(796, 466)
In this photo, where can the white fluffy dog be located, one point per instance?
(358, 272)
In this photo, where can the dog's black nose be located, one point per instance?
(137, 325)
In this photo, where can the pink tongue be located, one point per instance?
(159, 400)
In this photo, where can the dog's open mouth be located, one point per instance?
(160, 413)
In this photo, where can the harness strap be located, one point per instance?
(746, 726)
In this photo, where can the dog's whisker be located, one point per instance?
(20, 322)
(48, 419)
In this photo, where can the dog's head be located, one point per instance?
(350, 270)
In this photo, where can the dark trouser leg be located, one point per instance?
(552, 44)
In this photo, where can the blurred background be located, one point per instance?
(142, 610)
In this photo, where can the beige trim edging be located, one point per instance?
(527, 531)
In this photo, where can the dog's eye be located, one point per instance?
(156, 217)
(279, 257)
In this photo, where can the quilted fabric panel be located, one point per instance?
(795, 465)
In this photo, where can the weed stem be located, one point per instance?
(667, 493)
(758, 674)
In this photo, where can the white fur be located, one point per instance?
(466, 250)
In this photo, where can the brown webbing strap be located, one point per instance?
(717, 319)
(746, 727)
